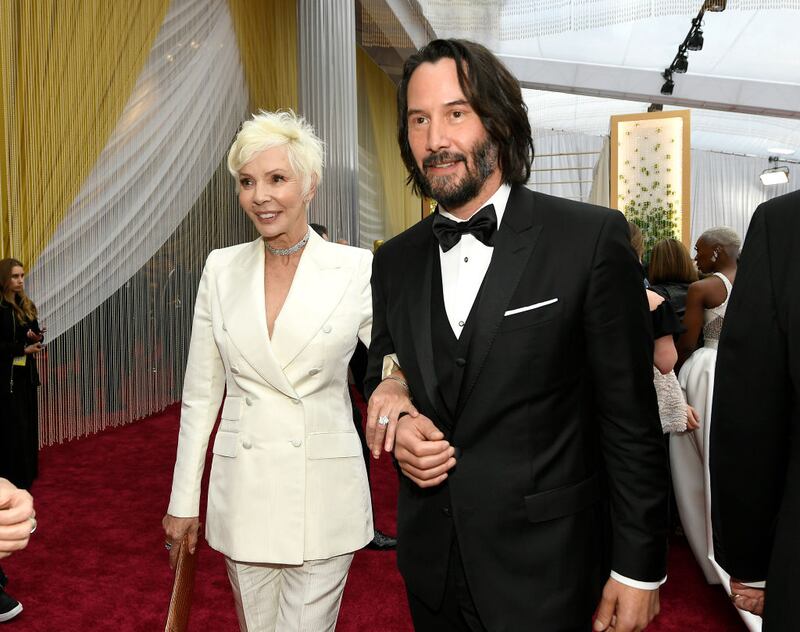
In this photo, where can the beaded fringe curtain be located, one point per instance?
(523, 19)
(145, 196)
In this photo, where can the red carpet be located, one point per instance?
(97, 561)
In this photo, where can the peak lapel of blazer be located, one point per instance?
(318, 286)
(240, 287)
(418, 268)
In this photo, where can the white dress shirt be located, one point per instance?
(463, 268)
(465, 265)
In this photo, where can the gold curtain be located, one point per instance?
(267, 35)
(401, 207)
(67, 70)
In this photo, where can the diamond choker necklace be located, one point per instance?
(285, 252)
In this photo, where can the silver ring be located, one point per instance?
(168, 545)
(383, 420)
(34, 524)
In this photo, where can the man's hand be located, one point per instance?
(174, 530)
(389, 400)
(423, 454)
(625, 609)
(16, 511)
(747, 597)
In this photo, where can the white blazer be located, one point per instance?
(288, 481)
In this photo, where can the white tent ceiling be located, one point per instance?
(616, 50)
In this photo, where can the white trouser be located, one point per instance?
(285, 598)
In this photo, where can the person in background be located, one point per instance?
(673, 411)
(20, 340)
(671, 272)
(534, 485)
(321, 230)
(275, 324)
(637, 243)
(706, 303)
(358, 367)
(755, 434)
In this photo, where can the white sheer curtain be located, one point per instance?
(726, 190)
(601, 185)
(563, 163)
(170, 139)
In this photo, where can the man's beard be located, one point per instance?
(448, 191)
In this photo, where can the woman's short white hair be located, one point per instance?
(265, 130)
(723, 236)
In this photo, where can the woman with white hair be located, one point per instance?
(276, 321)
(717, 251)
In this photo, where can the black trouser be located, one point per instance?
(457, 612)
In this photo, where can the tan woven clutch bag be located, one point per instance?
(181, 601)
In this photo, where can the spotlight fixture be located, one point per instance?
(695, 40)
(776, 175)
(655, 107)
(669, 85)
(681, 63)
(714, 6)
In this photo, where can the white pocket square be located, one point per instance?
(528, 308)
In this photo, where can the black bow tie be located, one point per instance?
(482, 225)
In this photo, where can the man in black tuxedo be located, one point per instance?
(755, 427)
(535, 472)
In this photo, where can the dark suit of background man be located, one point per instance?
(755, 430)
(536, 399)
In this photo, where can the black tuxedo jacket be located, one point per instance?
(562, 472)
(755, 428)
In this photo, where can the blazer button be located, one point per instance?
(327, 329)
(246, 444)
(297, 443)
(313, 371)
(248, 401)
(235, 370)
(461, 362)
(446, 511)
(224, 328)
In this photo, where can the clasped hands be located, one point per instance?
(747, 598)
(419, 446)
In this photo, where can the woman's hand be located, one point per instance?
(388, 401)
(33, 336)
(174, 531)
(692, 419)
(36, 347)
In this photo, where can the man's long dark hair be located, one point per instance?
(493, 93)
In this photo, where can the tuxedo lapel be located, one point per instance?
(514, 244)
(317, 289)
(420, 284)
(240, 287)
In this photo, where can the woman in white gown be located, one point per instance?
(717, 251)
